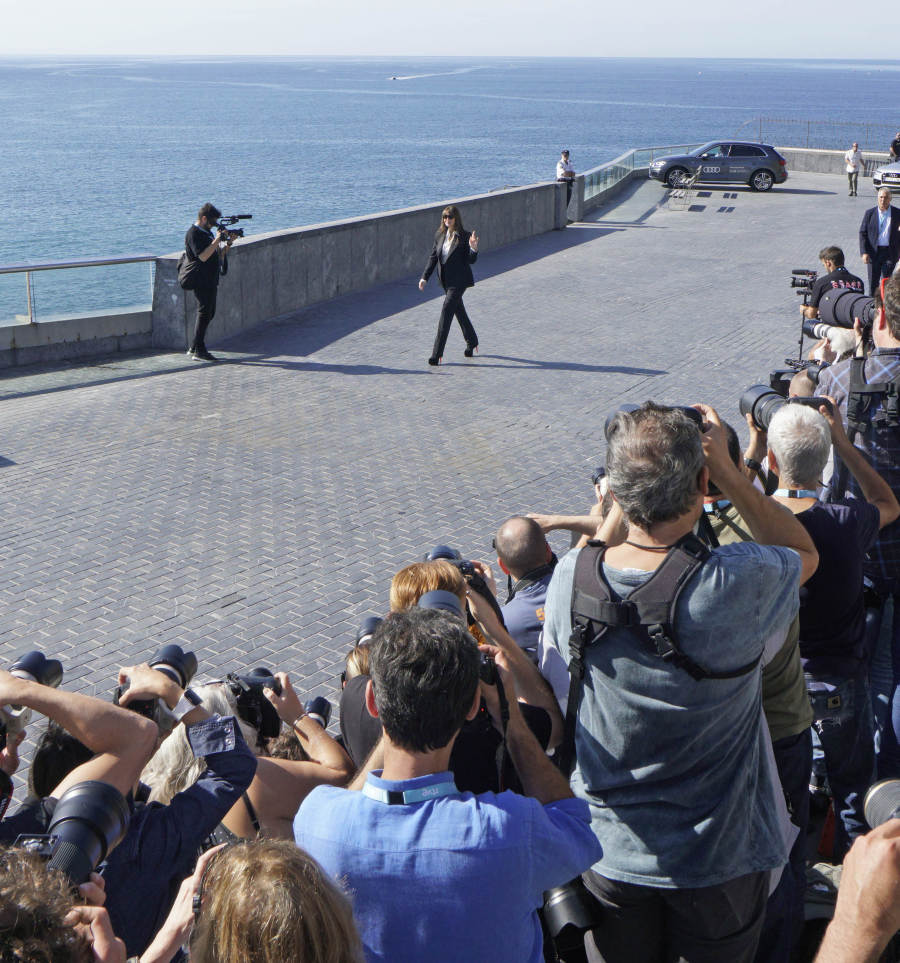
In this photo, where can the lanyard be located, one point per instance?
(395, 797)
(795, 493)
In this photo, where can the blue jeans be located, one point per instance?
(883, 652)
(843, 745)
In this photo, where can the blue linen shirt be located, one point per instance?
(675, 770)
(159, 850)
(457, 878)
(881, 448)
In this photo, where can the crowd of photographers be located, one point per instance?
(622, 761)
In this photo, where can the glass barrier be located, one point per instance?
(601, 178)
(40, 292)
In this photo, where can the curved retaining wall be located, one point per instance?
(271, 275)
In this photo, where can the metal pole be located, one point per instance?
(30, 295)
(807, 134)
(759, 139)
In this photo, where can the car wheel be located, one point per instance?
(676, 177)
(762, 181)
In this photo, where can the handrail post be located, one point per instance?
(30, 295)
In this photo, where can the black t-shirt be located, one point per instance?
(196, 241)
(839, 278)
(895, 146)
(832, 611)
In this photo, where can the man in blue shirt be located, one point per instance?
(677, 770)
(528, 561)
(436, 874)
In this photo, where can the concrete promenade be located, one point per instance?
(255, 510)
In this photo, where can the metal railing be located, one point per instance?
(818, 134)
(29, 269)
(599, 179)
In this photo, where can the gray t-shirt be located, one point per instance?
(674, 770)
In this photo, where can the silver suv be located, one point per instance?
(719, 162)
(888, 175)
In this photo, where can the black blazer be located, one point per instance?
(455, 272)
(868, 233)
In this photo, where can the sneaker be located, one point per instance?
(201, 354)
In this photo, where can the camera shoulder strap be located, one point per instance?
(648, 612)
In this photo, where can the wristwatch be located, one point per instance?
(188, 702)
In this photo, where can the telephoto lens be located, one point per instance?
(841, 306)
(89, 821)
(882, 802)
(367, 629)
(34, 667)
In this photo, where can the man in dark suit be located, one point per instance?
(455, 250)
(879, 239)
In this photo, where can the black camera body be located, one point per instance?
(252, 705)
(225, 222)
(803, 280)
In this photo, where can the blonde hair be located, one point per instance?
(268, 901)
(174, 767)
(412, 582)
(357, 661)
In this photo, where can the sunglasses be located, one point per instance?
(448, 217)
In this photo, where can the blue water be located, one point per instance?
(104, 157)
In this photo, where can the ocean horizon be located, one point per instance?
(112, 156)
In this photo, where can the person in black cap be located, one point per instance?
(565, 174)
(208, 251)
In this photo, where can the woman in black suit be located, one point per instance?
(454, 250)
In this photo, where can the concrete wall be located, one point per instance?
(83, 337)
(275, 274)
(814, 161)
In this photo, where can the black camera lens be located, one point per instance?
(443, 551)
(89, 821)
(367, 629)
(761, 403)
(841, 306)
(36, 667)
(178, 665)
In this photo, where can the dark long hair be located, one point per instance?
(457, 219)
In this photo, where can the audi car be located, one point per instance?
(723, 162)
(888, 175)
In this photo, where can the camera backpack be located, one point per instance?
(188, 269)
(648, 612)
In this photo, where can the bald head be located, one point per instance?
(521, 545)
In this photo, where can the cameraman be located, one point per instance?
(836, 276)
(207, 249)
(876, 432)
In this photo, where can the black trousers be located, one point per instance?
(644, 924)
(881, 266)
(453, 306)
(206, 311)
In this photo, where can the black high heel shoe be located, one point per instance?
(470, 350)
(434, 362)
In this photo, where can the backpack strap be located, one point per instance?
(649, 611)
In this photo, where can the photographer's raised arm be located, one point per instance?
(874, 488)
(123, 741)
(540, 778)
(769, 522)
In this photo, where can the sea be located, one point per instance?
(112, 157)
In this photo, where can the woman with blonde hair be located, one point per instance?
(454, 251)
(259, 901)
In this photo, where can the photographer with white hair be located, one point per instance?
(832, 607)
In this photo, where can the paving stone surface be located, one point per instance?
(255, 510)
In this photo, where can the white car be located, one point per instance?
(888, 175)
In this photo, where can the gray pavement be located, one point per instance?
(255, 510)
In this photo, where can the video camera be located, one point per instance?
(804, 280)
(225, 222)
(34, 667)
(173, 662)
